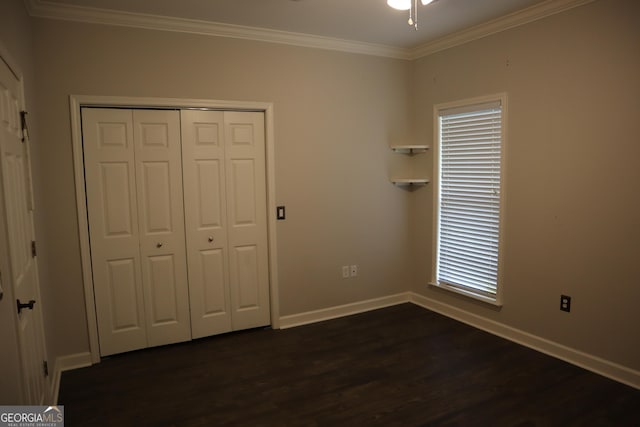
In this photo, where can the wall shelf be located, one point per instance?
(410, 149)
(410, 181)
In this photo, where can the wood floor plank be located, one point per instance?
(401, 365)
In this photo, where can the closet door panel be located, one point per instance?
(161, 271)
(243, 194)
(115, 181)
(123, 296)
(213, 264)
(161, 223)
(156, 198)
(113, 229)
(247, 228)
(206, 221)
(210, 204)
(247, 274)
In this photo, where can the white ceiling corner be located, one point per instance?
(512, 20)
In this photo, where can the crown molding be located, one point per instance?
(67, 12)
(516, 19)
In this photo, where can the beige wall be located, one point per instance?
(334, 115)
(572, 174)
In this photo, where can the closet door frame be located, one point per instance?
(76, 102)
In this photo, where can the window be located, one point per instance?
(468, 205)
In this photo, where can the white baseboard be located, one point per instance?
(587, 361)
(342, 310)
(66, 363)
(592, 363)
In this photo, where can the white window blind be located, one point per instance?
(468, 217)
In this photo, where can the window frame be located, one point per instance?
(437, 109)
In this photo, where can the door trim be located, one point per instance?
(76, 102)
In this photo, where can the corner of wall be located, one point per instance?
(62, 364)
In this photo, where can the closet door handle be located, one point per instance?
(158, 245)
(210, 239)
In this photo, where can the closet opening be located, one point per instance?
(176, 213)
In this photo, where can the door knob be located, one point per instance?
(210, 239)
(22, 305)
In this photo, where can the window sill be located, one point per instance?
(485, 299)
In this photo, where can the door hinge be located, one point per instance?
(24, 126)
(33, 249)
(45, 368)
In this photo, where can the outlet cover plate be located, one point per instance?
(354, 270)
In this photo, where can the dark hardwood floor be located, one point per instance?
(401, 365)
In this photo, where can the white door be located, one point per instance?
(205, 221)
(16, 182)
(247, 219)
(226, 220)
(113, 229)
(161, 222)
(134, 204)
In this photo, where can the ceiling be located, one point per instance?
(352, 23)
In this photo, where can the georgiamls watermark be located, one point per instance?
(32, 416)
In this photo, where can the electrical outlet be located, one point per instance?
(345, 271)
(354, 270)
(565, 303)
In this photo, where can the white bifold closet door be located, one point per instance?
(133, 174)
(223, 156)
